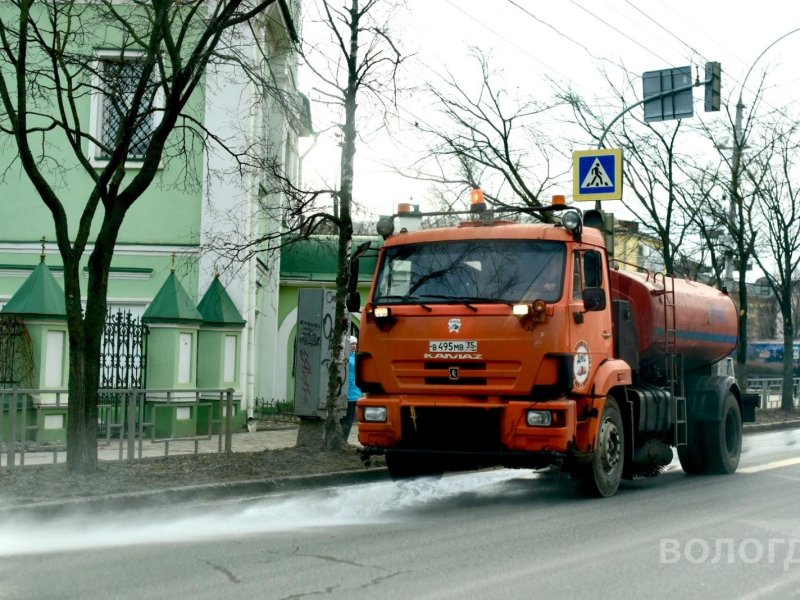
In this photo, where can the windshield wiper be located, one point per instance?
(455, 300)
(491, 301)
(401, 298)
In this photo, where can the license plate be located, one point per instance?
(453, 346)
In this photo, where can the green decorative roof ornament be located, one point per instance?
(172, 304)
(39, 295)
(217, 307)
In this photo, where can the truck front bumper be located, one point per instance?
(461, 427)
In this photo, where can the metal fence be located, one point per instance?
(274, 409)
(128, 416)
(771, 390)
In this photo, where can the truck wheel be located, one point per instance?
(601, 477)
(692, 456)
(723, 441)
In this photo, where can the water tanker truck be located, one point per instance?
(525, 345)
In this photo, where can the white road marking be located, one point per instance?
(787, 462)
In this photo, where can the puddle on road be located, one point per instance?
(331, 507)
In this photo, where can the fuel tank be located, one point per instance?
(705, 321)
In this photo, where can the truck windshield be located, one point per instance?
(472, 271)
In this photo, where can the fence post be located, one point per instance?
(12, 429)
(131, 395)
(228, 420)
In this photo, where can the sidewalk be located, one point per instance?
(264, 439)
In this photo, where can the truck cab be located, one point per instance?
(498, 343)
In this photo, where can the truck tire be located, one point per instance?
(692, 456)
(602, 476)
(723, 439)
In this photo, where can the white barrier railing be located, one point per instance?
(771, 390)
(127, 416)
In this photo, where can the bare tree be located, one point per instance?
(358, 64)
(157, 54)
(774, 177)
(729, 209)
(489, 138)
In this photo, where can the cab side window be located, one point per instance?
(577, 277)
(587, 272)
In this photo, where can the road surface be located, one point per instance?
(495, 534)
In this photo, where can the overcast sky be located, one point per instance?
(571, 42)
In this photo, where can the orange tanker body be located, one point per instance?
(705, 327)
(498, 343)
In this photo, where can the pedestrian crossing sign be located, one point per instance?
(597, 174)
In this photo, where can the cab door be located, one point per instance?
(590, 326)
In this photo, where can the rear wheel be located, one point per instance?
(724, 439)
(602, 476)
(714, 446)
(692, 455)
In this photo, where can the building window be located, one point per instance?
(117, 77)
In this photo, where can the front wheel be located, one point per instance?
(602, 476)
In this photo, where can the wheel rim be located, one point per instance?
(610, 446)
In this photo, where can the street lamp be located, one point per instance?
(738, 143)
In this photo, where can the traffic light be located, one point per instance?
(603, 221)
(713, 85)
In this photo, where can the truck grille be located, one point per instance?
(412, 375)
(443, 376)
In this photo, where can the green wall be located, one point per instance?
(170, 210)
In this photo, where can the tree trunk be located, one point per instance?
(85, 330)
(787, 393)
(741, 347)
(310, 433)
(82, 403)
(341, 326)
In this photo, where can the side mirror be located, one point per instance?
(594, 299)
(353, 301)
(352, 282)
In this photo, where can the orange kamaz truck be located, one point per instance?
(526, 345)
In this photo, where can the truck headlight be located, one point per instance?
(571, 220)
(539, 418)
(375, 414)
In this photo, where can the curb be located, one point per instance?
(194, 493)
(242, 489)
(777, 426)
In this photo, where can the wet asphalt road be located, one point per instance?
(497, 534)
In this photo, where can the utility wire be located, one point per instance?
(568, 38)
(660, 26)
(622, 33)
(502, 37)
(697, 52)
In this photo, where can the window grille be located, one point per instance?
(121, 78)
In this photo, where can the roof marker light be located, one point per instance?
(477, 201)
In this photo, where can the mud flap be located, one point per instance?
(749, 404)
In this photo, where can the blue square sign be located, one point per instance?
(597, 174)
